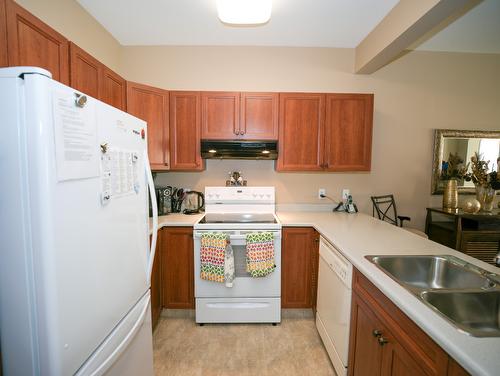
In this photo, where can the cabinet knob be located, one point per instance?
(382, 341)
(376, 333)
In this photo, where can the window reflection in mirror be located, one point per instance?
(465, 148)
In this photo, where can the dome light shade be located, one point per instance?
(244, 12)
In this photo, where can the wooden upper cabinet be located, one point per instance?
(4, 60)
(90, 76)
(30, 42)
(348, 132)
(301, 132)
(220, 115)
(113, 89)
(185, 131)
(84, 71)
(259, 116)
(151, 105)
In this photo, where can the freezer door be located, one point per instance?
(86, 257)
(128, 350)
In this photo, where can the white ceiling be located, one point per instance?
(476, 31)
(314, 23)
(301, 23)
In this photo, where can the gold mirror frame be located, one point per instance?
(439, 136)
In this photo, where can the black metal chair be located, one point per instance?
(385, 207)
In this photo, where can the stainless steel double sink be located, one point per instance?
(464, 294)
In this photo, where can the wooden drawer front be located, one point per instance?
(432, 359)
(483, 245)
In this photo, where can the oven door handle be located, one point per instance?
(238, 237)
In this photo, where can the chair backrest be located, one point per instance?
(385, 207)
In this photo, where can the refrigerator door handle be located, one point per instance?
(154, 207)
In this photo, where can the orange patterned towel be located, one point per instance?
(260, 254)
(212, 253)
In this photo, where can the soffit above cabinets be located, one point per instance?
(297, 23)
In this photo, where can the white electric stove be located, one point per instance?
(238, 211)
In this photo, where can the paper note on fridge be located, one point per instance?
(75, 128)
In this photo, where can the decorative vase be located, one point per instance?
(485, 196)
(450, 195)
(471, 205)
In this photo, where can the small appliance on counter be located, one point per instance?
(178, 195)
(164, 199)
(193, 203)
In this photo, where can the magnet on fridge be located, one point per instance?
(105, 198)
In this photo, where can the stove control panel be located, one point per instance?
(239, 195)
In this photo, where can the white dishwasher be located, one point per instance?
(333, 314)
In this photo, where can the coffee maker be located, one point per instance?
(164, 199)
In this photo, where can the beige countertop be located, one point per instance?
(359, 235)
(176, 220)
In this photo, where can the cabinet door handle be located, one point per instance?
(377, 333)
(382, 341)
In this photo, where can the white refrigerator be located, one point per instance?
(75, 260)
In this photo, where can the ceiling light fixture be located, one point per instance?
(244, 12)
(265, 152)
(212, 151)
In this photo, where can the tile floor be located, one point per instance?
(292, 348)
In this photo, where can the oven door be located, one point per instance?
(244, 285)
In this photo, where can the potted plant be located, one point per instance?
(485, 181)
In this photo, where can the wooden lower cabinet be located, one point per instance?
(299, 267)
(384, 341)
(177, 276)
(156, 290)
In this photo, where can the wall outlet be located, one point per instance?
(321, 191)
(345, 193)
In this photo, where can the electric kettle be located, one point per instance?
(193, 202)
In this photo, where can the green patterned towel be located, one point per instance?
(260, 254)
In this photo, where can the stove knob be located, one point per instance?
(261, 196)
(268, 196)
(254, 194)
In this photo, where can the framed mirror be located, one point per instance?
(461, 145)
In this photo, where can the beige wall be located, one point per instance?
(413, 95)
(72, 21)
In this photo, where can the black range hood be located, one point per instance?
(212, 149)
